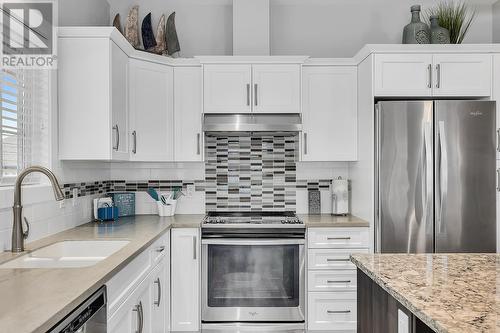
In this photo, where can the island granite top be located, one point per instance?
(450, 293)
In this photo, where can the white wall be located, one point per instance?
(83, 12)
(496, 22)
(204, 27)
(325, 28)
(319, 28)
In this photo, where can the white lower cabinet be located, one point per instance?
(159, 285)
(332, 279)
(334, 311)
(185, 280)
(134, 315)
(139, 295)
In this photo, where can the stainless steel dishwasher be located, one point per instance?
(88, 317)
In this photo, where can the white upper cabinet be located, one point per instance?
(235, 88)
(427, 75)
(187, 114)
(329, 113)
(276, 88)
(462, 75)
(92, 93)
(227, 88)
(151, 112)
(403, 75)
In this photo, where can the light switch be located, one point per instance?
(403, 322)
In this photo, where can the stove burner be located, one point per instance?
(267, 218)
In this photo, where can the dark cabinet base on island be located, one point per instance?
(379, 312)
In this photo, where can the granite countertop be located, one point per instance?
(329, 221)
(450, 293)
(33, 300)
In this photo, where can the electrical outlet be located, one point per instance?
(190, 190)
(62, 203)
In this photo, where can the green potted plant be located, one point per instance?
(457, 17)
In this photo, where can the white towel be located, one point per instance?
(340, 199)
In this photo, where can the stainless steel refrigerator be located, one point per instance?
(435, 176)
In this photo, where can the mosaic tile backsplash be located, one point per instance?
(250, 173)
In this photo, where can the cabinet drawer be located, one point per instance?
(338, 238)
(341, 280)
(121, 285)
(332, 258)
(332, 311)
(160, 248)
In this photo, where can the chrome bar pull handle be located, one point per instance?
(498, 180)
(248, 94)
(160, 249)
(134, 149)
(158, 282)
(438, 75)
(337, 311)
(338, 281)
(336, 260)
(140, 317)
(429, 69)
(117, 129)
(498, 140)
(255, 93)
(198, 143)
(338, 238)
(194, 248)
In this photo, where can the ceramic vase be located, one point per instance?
(417, 32)
(439, 35)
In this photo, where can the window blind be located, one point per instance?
(24, 106)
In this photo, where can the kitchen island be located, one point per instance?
(443, 293)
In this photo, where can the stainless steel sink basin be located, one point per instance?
(67, 254)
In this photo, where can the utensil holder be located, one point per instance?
(168, 209)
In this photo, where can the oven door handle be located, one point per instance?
(234, 241)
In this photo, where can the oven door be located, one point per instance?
(251, 280)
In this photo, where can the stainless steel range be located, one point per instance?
(253, 272)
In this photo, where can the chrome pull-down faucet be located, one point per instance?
(18, 235)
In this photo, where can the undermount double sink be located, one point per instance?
(67, 254)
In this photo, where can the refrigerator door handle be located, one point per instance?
(428, 185)
(443, 174)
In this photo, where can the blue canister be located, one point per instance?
(107, 213)
(125, 203)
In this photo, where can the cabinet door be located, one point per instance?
(462, 75)
(227, 88)
(151, 112)
(496, 96)
(119, 103)
(403, 75)
(185, 283)
(134, 315)
(276, 88)
(187, 114)
(158, 283)
(329, 114)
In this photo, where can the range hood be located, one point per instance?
(287, 122)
